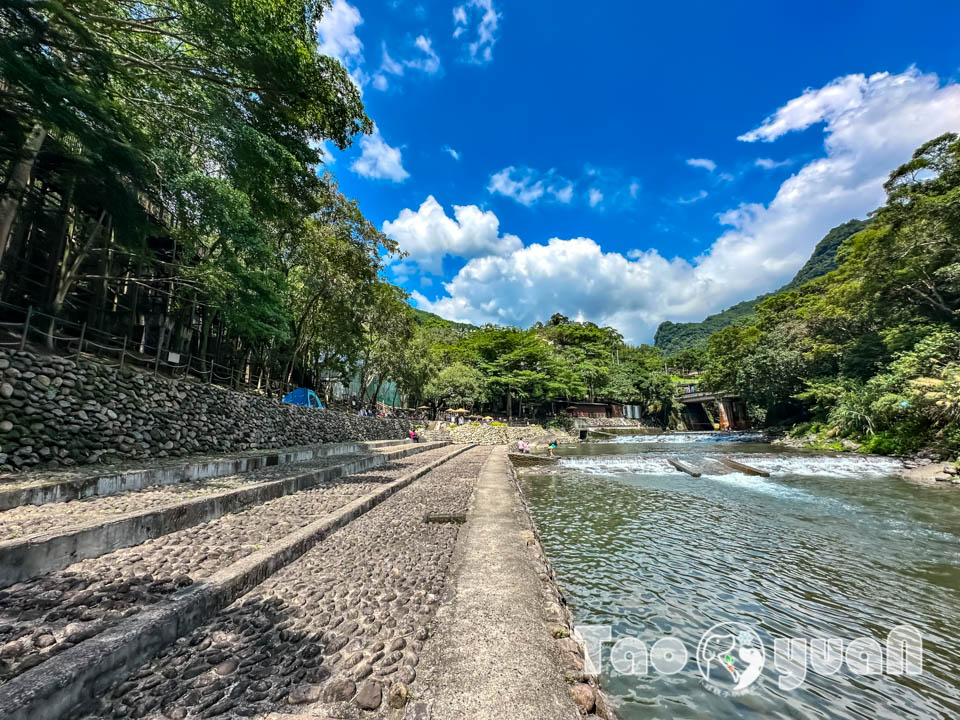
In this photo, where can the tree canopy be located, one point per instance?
(871, 350)
(161, 180)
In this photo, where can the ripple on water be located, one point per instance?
(683, 438)
(651, 552)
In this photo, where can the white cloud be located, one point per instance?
(837, 98)
(870, 125)
(770, 164)
(563, 194)
(389, 65)
(479, 51)
(527, 188)
(326, 156)
(337, 30)
(693, 198)
(428, 234)
(705, 163)
(453, 153)
(338, 39)
(574, 277)
(378, 160)
(428, 63)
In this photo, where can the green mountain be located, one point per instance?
(673, 337)
(429, 319)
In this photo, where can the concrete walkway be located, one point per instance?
(491, 655)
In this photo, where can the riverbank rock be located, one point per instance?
(59, 413)
(481, 434)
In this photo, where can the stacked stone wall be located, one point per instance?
(55, 412)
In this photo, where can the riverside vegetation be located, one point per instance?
(867, 355)
(163, 184)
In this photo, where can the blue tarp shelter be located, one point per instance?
(304, 397)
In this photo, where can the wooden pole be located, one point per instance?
(83, 332)
(26, 328)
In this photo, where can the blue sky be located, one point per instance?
(629, 162)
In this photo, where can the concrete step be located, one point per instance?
(78, 675)
(90, 481)
(70, 539)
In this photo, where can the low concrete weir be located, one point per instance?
(76, 676)
(112, 483)
(683, 467)
(39, 554)
(740, 467)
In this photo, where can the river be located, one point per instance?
(825, 548)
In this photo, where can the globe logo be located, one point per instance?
(730, 656)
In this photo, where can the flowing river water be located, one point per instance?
(825, 548)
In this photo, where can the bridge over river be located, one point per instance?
(731, 411)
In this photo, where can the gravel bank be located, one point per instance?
(46, 615)
(342, 626)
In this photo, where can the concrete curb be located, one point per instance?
(39, 554)
(113, 483)
(490, 653)
(584, 688)
(66, 682)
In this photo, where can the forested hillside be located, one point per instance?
(429, 320)
(674, 337)
(870, 351)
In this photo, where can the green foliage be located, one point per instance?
(430, 320)
(524, 371)
(190, 129)
(459, 385)
(561, 422)
(871, 350)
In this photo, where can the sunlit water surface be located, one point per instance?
(826, 547)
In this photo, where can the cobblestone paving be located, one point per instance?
(30, 519)
(46, 615)
(341, 627)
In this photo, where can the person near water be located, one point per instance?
(553, 446)
(520, 446)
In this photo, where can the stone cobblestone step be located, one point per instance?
(59, 534)
(394, 557)
(93, 480)
(41, 617)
